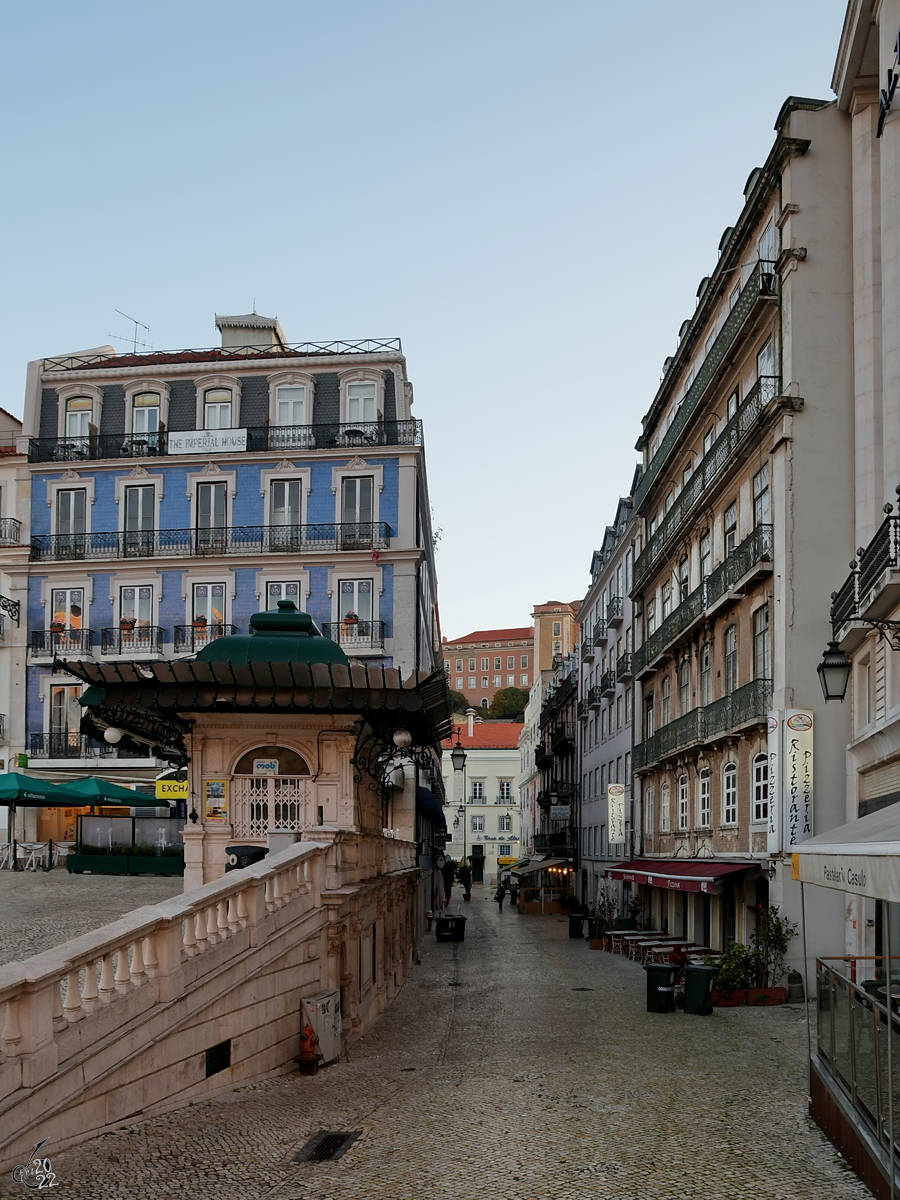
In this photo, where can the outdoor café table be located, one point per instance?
(664, 953)
(639, 948)
(634, 940)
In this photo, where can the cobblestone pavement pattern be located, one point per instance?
(516, 1064)
(40, 909)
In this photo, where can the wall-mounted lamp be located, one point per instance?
(834, 672)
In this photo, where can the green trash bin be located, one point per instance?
(576, 925)
(660, 987)
(698, 978)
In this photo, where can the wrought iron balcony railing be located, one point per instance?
(562, 739)
(195, 543)
(542, 757)
(614, 610)
(746, 705)
(553, 841)
(10, 530)
(608, 682)
(595, 696)
(582, 710)
(2, 727)
(67, 745)
(142, 639)
(587, 648)
(600, 633)
(762, 286)
(868, 573)
(47, 643)
(755, 550)
(328, 435)
(713, 464)
(623, 666)
(363, 635)
(189, 638)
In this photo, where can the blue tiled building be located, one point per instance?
(175, 494)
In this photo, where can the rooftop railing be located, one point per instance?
(763, 285)
(261, 439)
(696, 491)
(82, 362)
(194, 543)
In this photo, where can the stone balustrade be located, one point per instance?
(115, 1024)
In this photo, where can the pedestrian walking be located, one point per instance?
(500, 895)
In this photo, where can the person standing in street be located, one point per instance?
(500, 896)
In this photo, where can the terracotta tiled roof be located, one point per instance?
(486, 735)
(494, 635)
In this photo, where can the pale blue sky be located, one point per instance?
(527, 194)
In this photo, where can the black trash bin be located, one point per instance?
(698, 979)
(243, 856)
(660, 987)
(450, 929)
(576, 925)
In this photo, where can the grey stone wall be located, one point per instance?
(112, 417)
(48, 427)
(327, 402)
(182, 404)
(254, 401)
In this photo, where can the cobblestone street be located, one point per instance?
(517, 1064)
(40, 909)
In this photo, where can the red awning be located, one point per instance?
(698, 875)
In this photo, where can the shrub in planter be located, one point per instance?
(736, 969)
(769, 941)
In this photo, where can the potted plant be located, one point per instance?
(464, 875)
(606, 906)
(127, 622)
(351, 618)
(733, 976)
(769, 942)
(57, 627)
(199, 622)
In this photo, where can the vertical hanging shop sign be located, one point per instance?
(615, 801)
(797, 776)
(775, 726)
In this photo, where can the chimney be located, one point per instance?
(470, 713)
(251, 331)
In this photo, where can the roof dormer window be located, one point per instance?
(217, 408)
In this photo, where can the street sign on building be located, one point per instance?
(560, 812)
(615, 799)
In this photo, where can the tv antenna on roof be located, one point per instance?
(134, 336)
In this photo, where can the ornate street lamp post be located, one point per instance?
(458, 758)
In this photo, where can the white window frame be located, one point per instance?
(291, 379)
(134, 387)
(476, 823)
(226, 576)
(138, 478)
(729, 794)
(704, 797)
(356, 467)
(683, 803)
(665, 803)
(68, 482)
(48, 586)
(760, 766)
(289, 575)
(72, 391)
(212, 476)
(367, 571)
(361, 375)
(648, 811)
(289, 473)
(206, 383)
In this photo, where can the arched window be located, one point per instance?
(703, 801)
(729, 794)
(666, 714)
(288, 762)
(271, 789)
(664, 801)
(761, 787)
(684, 687)
(682, 801)
(706, 674)
(78, 416)
(217, 408)
(648, 811)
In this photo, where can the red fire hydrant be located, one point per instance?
(308, 1058)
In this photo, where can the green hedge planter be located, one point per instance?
(124, 864)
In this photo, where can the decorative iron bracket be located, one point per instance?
(10, 607)
(890, 630)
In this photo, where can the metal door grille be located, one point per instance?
(264, 802)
